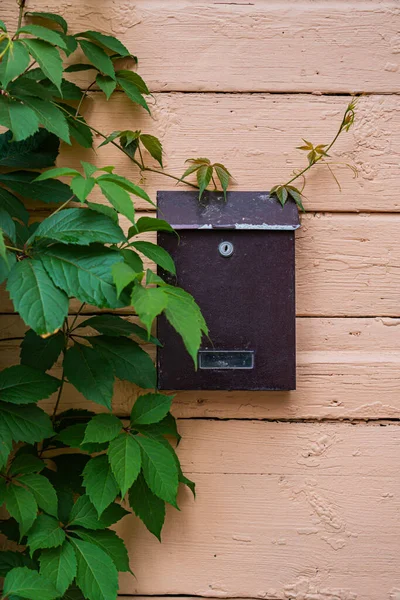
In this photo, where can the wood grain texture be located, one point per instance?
(283, 511)
(203, 45)
(256, 136)
(346, 369)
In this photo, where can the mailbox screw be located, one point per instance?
(225, 248)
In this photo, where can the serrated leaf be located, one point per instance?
(157, 254)
(150, 408)
(51, 117)
(41, 305)
(100, 483)
(78, 128)
(133, 260)
(84, 514)
(159, 469)
(22, 506)
(45, 533)
(153, 146)
(25, 184)
(106, 84)
(72, 436)
(17, 117)
(35, 152)
(204, 175)
(24, 464)
(125, 460)
(112, 545)
(51, 17)
(44, 493)
(96, 575)
(135, 79)
(45, 34)
(223, 176)
(118, 197)
(192, 169)
(56, 172)
(90, 373)
(148, 303)
(83, 273)
(48, 58)
(108, 41)
(98, 57)
(126, 185)
(13, 206)
(41, 353)
(123, 275)
(129, 83)
(167, 426)
(82, 186)
(58, 565)
(102, 428)
(110, 212)
(80, 226)
(25, 583)
(27, 423)
(147, 506)
(20, 384)
(113, 325)
(9, 560)
(13, 63)
(129, 360)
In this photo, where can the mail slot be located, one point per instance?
(236, 257)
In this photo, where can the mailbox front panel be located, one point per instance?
(248, 300)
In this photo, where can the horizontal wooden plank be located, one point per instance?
(205, 45)
(256, 137)
(346, 265)
(283, 510)
(346, 369)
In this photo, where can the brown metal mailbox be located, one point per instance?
(236, 257)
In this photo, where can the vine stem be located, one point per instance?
(15, 249)
(60, 389)
(21, 4)
(63, 205)
(71, 328)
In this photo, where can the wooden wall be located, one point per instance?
(298, 493)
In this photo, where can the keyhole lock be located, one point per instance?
(225, 248)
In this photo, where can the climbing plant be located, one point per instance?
(67, 476)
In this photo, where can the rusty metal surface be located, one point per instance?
(248, 301)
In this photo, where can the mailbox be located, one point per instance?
(236, 257)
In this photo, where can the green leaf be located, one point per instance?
(78, 128)
(147, 506)
(40, 304)
(125, 460)
(17, 117)
(110, 212)
(108, 41)
(48, 58)
(296, 195)
(90, 373)
(72, 436)
(82, 186)
(150, 408)
(156, 254)
(79, 67)
(167, 426)
(135, 79)
(185, 317)
(223, 176)
(129, 360)
(159, 469)
(118, 197)
(112, 545)
(51, 17)
(133, 260)
(51, 117)
(3, 26)
(24, 464)
(80, 226)
(148, 303)
(9, 560)
(106, 84)
(126, 185)
(73, 593)
(44, 493)
(123, 275)
(7, 225)
(3, 250)
(83, 273)
(25, 583)
(84, 514)
(45, 533)
(98, 57)
(58, 565)
(35, 152)
(13, 206)
(113, 325)
(20, 384)
(131, 90)
(22, 506)
(14, 62)
(153, 146)
(25, 184)
(96, 575)
(150, 224)
(100, 483)
(5, 446)
(45, 34)
(56, 172)
(41, 353)
(102, 428)
(69, 90)
(27, 423)
(204, 175)
(192, 169)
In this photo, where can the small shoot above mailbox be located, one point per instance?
(236, 257)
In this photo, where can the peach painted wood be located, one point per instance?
(256, 137)
(346, 369)
(283, 511)
(203, 45)
(347, 265)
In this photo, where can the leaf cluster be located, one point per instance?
(207, 172)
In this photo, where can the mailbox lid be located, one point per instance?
(241, 210)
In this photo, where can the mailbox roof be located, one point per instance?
(241, 210)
